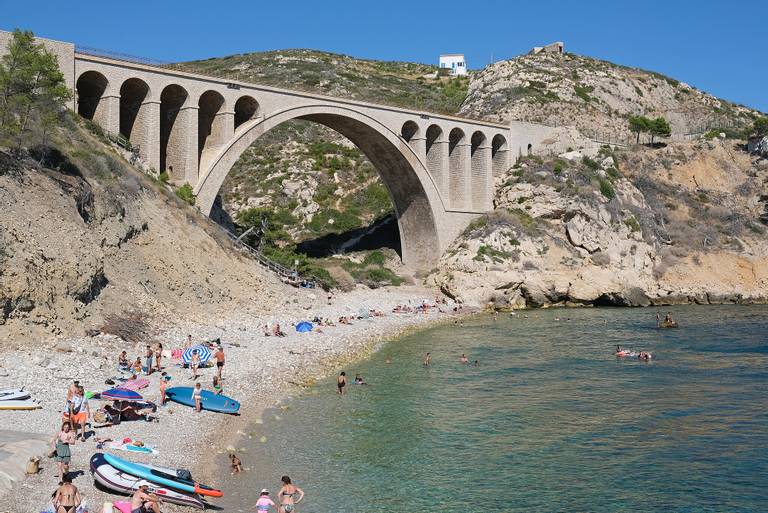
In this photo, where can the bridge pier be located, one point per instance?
(146, 133)
(459, 164)
(481, 186)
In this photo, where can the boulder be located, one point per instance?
(758, 146)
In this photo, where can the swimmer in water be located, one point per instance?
(464, 358)
(427, 359)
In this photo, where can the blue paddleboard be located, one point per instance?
(210, 401)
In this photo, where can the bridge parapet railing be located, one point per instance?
(96, 52)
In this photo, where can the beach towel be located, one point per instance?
(135, 384)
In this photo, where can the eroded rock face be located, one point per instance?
(549, 243)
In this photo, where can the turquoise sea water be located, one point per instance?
(548, 421)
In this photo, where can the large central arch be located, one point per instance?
(416, 199)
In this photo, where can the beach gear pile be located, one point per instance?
(173, 485)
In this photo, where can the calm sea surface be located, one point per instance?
(549, 420)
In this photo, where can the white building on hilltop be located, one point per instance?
(454, 63)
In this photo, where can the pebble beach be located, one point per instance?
(259, 372)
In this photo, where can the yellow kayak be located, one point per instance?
(24, 404)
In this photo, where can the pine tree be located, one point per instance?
(32, 87)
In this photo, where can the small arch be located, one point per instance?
(246, 108)
(409, 131)
(210, 132)
(478, 138)
(91, 87)
(172, 143)
(133, 93)
(499, 155)
(457, 168)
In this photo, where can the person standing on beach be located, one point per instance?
(188, 343)
(163, 384)
(197, 396)
(61, 444)
(287, 493)
(427, 359)
(219, 356)
(341, 382)
(149, 355)
(194, 363)
(158, 356)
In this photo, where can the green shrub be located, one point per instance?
(607, 189)
(632, 224)
(496, 256)
(164, 177)
(375, 257)
(582, 91)
(185, 193)
(591, 164)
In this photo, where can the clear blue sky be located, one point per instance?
(717, 46)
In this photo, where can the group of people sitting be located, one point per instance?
(274, 331)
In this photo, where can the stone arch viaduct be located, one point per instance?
(438, 169)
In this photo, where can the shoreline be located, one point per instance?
(260, 371)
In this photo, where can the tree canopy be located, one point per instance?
(658, 127)
(32, 87)
(761, 126)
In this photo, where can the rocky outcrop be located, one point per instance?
(584, 233)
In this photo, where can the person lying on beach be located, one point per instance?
(143, 502)
(235, 464)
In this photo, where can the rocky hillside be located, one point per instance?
(595, 96)
(89, 242)
(676, 223)
(684, 223)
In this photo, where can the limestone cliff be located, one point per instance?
(86, 239)
(636, 227)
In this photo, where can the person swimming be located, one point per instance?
(464, 358)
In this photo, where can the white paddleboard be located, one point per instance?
(13, 394)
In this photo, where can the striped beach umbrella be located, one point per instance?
(204, 352)
(121, 394)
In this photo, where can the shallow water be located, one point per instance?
(548, 421)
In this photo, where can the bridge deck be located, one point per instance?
(176, 70)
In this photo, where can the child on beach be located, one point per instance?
(264, 503)
(218, 385)
(235, 464)
(197, 396)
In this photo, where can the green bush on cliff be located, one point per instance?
(185, 193)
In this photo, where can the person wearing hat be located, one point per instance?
(143, 502)
(264, 502)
